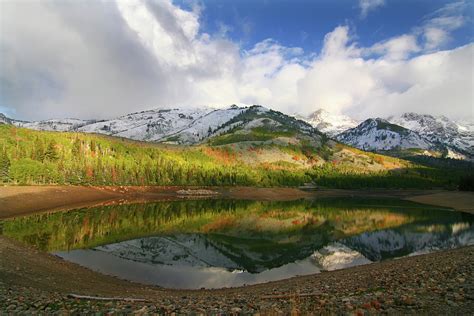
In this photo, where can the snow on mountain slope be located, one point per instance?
(205, 126)
(195, 125)
(184, 250)
(257, 124)
(336, 256)
(394, 243)
(328, 123)
(151, 125)
(184, 126)
(5, 120)
(60, 125)
(465, 126)
(379, 134)
(439, 129)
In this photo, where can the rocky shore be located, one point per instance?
(438, 283)
(34, 282)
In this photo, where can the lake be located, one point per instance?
(225, 243)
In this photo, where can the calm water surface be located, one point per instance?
(224, 243)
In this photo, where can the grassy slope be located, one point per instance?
(39, 157)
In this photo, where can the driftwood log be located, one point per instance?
(98, 298)
(290, 295)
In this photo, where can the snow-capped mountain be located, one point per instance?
(329, 123)
(456, 137)
(337, 256)
(185, 250)
(185, 126)
(379, 134)
(409, 130)
(152, 125)
(60, 125)
(182, 126)
(389, 243)
(194, 125)
(4, 119)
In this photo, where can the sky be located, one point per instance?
(362, 58)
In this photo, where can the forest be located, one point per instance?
(29, 157)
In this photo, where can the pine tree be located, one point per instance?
(51, 152)
(76, 147)
(93, 146)
(4, 166)
(38, 150)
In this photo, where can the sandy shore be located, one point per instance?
(30, 280)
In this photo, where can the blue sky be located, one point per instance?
(304, 23)
(363, 58)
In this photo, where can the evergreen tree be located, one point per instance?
(76, 147)
(38, 149)
(4, 166)
(51, 152)
(93, 146)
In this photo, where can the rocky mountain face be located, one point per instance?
(456, 137)
(4, 119)
(379, 134)
(184, 126)
(425, 133)
(422, 132)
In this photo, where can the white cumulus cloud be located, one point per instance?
(369, 5)
(101, 59)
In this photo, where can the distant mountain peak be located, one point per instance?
(198, 124)
(454, 136)
(5, 120)
(329, 123)
(380, 134)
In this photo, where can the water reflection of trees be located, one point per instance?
(261, 224)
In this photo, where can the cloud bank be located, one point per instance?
(102, 59)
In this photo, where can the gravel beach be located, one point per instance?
(34, 282)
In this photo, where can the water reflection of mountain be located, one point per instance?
(250, 254)
(216, 243)
(215, 250)
(404, 241)
(247, 235)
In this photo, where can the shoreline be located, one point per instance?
(25, 200)
(440, 282)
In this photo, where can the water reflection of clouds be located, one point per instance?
(209, 267)
(182, 276)
(223, 243)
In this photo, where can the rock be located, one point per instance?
(407, 300)
(451, 303)
(235, 309)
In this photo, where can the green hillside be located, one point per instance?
(283, 157)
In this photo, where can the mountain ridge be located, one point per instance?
(380, 134)
(429, 135)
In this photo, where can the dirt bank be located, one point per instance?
(461, 201)
(23, 200)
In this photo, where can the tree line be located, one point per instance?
(38, 157)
